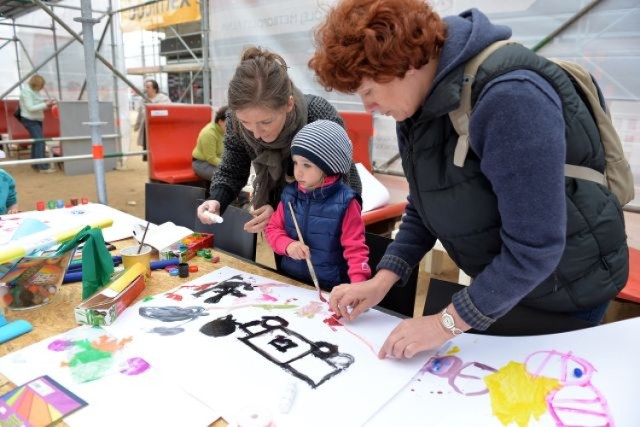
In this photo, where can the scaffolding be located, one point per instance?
(12, 10)
(601, 35)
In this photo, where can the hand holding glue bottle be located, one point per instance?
(209, 212)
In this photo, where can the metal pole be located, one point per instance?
(55, 47)
(64, 6)
(36, 68)
(69, 158)
(92, 94)
(39, 27)
(206, 69)
(186, 46)
(565, 25)
(102, 59)
(15, 39)
(55, 139)
(104, 33)
(195, 76)
(112, 34)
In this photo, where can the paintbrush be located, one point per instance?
(144, 235)
(312, 271)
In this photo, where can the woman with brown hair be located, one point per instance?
(32, 106)
(506, 214)
(266, 111)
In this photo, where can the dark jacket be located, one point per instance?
(235, 167)
(503, 217)
(320, 214)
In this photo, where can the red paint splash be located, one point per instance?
(334, 320)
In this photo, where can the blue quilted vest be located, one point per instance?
(459, 207)
(319, 214)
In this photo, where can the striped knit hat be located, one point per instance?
(326, 144)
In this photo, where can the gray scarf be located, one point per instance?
(272, 157)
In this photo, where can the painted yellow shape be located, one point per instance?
(516, 395)
(455, 349)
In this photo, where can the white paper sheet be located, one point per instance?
(161, 236)
(374, 193)
(232, 373)
(122, 227)
(111, 377)
(609, 391)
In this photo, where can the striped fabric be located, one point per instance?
(326, 144)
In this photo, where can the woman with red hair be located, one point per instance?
(505, 214)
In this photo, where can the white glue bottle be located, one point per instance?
(217, 219)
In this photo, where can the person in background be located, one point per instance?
(327, 211)
(267, 110)
(8, 195)
(207, 153)
(508, 216)
(152, 90)
(32, 106)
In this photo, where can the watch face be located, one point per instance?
(447, 321)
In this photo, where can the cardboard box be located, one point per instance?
(188, 247)
(104, 307)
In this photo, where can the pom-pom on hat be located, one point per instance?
(326, 144)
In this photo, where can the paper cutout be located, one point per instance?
(29, 226)
(38, 403)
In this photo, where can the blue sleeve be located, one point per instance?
(517, 129)
(12, 197)
(411, 244)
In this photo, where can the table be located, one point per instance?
(434, 393)
(61, 307)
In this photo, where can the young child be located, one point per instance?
(326, 208)
(8, 195)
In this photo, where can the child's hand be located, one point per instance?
(13, 209)
(298, 250)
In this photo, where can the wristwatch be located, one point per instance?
(449, 323)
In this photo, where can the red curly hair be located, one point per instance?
(376, 39)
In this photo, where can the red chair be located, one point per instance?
(360, 130)
(3, 118)
(631, 291)
(172, 133)
(10, 125)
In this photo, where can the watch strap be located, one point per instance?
(449, 322)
